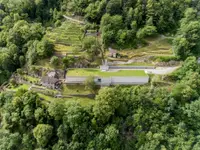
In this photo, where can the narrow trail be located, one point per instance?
(158, 70)
(74, 20)
(161, 70)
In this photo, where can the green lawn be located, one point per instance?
(81, 101)
(74, 89)
(70, 90)
(97, 72)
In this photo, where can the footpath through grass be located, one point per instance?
(97, 72)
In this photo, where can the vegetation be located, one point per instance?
(90, 84)
(68, 34)
(35, 36)
(24, 38)
(97, 72)
(121, 117)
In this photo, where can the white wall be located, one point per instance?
(110, 81)
(129, 80)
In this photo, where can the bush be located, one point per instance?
(146, 31)
(58, 23)
(54, 61)
(90, 84)
(13, 82)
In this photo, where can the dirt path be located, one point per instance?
(161, 70)
(74, 20)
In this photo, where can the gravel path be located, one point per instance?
(158, 70)
(161, 70)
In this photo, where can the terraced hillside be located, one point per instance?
(156, 46)
(66, 37)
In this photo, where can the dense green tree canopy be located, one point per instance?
(127, 118)
(121, 118)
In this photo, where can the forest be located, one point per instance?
(122, 118)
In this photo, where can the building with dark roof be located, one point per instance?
(50, 82)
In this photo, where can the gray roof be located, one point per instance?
(51, 74)
(112, 50)
(49, 80)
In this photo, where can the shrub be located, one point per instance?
(146, 31)
(90, 84)
(58, 23)
(13, 82)
(54, 61)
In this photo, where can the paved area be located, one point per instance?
(158, 70)
(161, 70)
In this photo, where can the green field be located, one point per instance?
(81, 101)
(97, 72)
(74, 89)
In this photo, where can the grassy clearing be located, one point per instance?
(70, 90)
(45, 63)
(97, 72)
(81, 101)
(74, 89)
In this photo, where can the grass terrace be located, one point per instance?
(156, 46)
(97, 72)
(68, 34)
(23, 86)
(81, 101)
